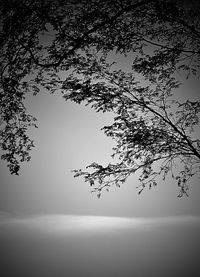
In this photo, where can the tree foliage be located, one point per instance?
(65, 46)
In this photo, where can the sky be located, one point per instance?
(69, 137)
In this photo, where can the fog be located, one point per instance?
(123, 234)
(66, 245)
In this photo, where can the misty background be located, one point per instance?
(70, 137)
(52, 225)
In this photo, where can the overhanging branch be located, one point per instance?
(79, 41)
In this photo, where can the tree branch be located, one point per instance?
(169, 48)
(80, 40)
(191, 28)
(143, 104)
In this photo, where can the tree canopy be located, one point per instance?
(65, 46)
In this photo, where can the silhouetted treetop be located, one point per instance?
(66, 46)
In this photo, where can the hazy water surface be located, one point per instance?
(70, 246)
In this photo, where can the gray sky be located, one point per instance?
(69, 137)
(52, 225)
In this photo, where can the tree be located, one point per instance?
(153, 130)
